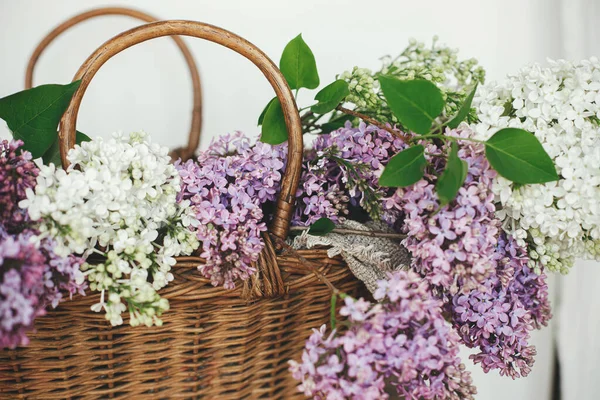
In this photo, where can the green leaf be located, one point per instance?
(336, 123)
(33, 115)
(518, 156)
(464, 110)
(330, 97)
(452, 178)
(264, 111)
(405, 168)
(321, 227)
(415, 103)
(52, 156)
(298, 65)
(274, 129)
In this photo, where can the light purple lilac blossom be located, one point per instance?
(404, 341)
(32, 278)
(17, 173)
(454, 247)
(498, 319)
(227, 187)
(342, 172)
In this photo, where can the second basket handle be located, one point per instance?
(289, 183)
(196, 124)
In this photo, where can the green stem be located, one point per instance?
(373, 121)
(332, 310)
(95, 250)
(444, 137)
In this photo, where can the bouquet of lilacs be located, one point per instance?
(399, 155)
(398, 146)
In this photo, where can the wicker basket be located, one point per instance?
(196, 123)
(215, 343)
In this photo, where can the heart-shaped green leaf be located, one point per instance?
(321, 227)
(264, 111)
(452, 178)
(298, 65)
(518, 156)
(415, 103)
(52, 156)
(33, 115)
(405, 168)
(330, 97)
(464, 110)
(274, 130)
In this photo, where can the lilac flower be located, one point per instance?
(498, 319)
(227, 187)
(17, 173)
(404, 341)
(453, 247)
(32, 278)
(342, 171)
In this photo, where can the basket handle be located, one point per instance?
(291, 177)
(196, 125)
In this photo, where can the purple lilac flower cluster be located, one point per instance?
(227, 186)
(32, 276)
(342, 171)
(17, 173)
(498, 320)
(403, 341)
(454, 246)
(459, 248)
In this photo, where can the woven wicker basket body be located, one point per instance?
(215, 343)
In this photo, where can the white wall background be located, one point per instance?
(147, 87)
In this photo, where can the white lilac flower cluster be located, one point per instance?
(437, 63)
(118, 199)
(560, 104)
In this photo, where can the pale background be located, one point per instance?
(147, 87)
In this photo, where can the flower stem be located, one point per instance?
(372, 121)
(444, 137)
(95, 250)
(332, 310)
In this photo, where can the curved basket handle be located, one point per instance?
(196, 124)
(291, 177)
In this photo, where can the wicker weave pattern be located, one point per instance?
(215, 343)
(212, 345)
